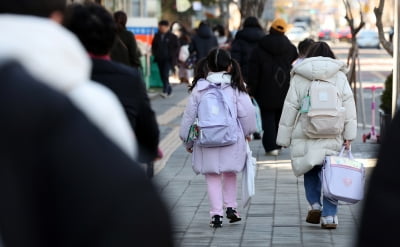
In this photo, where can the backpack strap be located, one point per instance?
(204, 85)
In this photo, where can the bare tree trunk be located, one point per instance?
(388, 46)
(352, 64)
(252, 8)
(352, 57)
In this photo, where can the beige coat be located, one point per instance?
(306, 152)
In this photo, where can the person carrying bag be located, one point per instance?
(217, 160)
(308, 151)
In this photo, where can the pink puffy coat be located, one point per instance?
(220, 159)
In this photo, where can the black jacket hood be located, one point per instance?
(250, 34)
(275, 44)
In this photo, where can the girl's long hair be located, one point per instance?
(219, 60)
(320, 49)
(200, 71)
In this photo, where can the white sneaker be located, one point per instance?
(329, 222)
(316, 206)
(274, 152)
(164, 95)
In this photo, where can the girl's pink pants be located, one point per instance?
(221, 192)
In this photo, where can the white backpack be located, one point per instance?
(323, 113)
(217, 120)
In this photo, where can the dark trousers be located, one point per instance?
(164, 67)
(270, 123)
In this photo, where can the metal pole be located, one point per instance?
(361, 91)
(396, 56)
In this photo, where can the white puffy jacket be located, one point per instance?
(55, 56)
(306, 152)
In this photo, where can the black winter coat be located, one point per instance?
(203, 41)
(269, 70)
(166, 49)
(62, 182)
(127, 83)
(243, 44)
(125, 49)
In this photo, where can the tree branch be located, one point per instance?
(388, 46)
(362, 23)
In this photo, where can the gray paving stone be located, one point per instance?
(256, 243)
(276, 214)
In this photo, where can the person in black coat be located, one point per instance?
(126, 82)
(184, 40)
(62, 181)
(165, 48)
(245, 41)
(380, 209)
(203, 41)
(125, 49)
(269, 78)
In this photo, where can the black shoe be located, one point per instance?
(216, 221)
(232, 215)
(256, 136)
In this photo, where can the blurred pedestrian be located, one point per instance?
(62, 182)
(391, 34)
(184, 40)
(125, 49)
(95, 28)
(56, 57)
(303, 47)
(268, 79)
(245, 41)
(165, 47)
(203, 41)
(224, 41)
(243, 44)
(220, 164)
(307, 154)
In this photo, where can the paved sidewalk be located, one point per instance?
(276, 214)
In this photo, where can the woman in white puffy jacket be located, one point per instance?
(307, 154)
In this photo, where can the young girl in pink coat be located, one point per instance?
(220, 164)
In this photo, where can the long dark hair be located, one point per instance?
(320, 49)
(220, 60)
(200, 71)
(304, 45)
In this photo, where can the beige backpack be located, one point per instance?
(322, 111)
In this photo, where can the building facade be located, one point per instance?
(133, 8)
